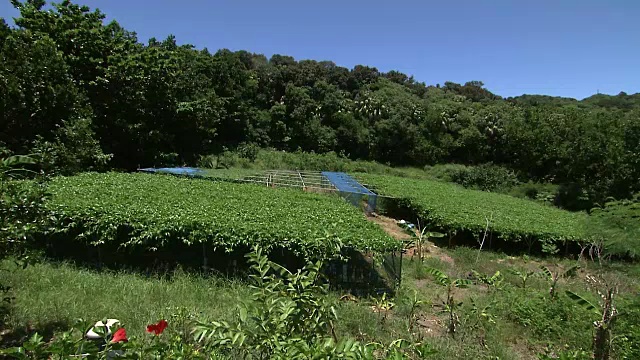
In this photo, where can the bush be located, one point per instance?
(542, 192)
(73, 150)
(485, 177)
(21, 204)
(249, 151)
(445, 172)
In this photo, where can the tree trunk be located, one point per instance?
(601, 341)
(602, 336)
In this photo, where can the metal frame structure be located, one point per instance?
(307, 180)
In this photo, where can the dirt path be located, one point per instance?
(390, 226)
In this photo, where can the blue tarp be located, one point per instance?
(351, 189)
(188, 171)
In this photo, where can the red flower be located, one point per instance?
(158, 328)
(119, 335)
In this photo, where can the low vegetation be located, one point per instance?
(453, 208)
(619, 223)
(80, 94)
(152, 211)
(443, 310)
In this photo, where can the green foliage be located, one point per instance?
(249, 151)
(486, 177)
(452, 208)
(451, 306)
(445, 172)
(11, 166)
(22, 214)
(288, 311)
(626, 343)
(546, 318)
(64, 69)
(586, 304)
(290, 317)
(43, 111)
(22, 209)
(490, 322)
(494, 281)
(150, 211)
(544, 193)
(269, 159)
(419, 239)
(523, 276)
(617, 221)
(606, 313)
(73, 343)
(554, 276)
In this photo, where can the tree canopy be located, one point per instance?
(88, 94)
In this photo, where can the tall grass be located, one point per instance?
(60, 293)
(523, 321)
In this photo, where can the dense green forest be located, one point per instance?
(86, 94)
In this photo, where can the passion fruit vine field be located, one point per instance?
(452, 208)
(150, 211)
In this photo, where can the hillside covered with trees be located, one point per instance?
(86, 94)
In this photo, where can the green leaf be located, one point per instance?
(581, 301)
(439, 276)
(462, 283)
(152, 211)
(571, 272)
(546, 272)
(17, 160)
(242, 312)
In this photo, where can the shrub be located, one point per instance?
(22, 209)
(542, 192)
(249, 151)
(445, 172)
(485, 177)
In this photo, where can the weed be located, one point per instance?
(450, 304)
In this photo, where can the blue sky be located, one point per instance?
(556, 47)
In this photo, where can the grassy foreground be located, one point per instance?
(513, 322)
(48, 294)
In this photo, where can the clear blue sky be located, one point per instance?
(556, 47)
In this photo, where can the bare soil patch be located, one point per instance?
(390, 226)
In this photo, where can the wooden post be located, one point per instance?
(301, 180)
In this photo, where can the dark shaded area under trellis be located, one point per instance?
(357, 273)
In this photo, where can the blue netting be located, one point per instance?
(188, 171)
(351, 189)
